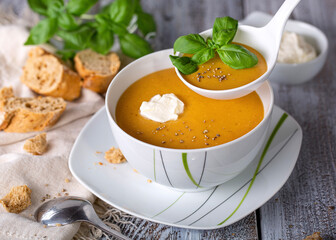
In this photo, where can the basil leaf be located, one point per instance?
(77, 39)
(42, 32)
(138, 7)
(224, 30)
(146, 23)
(102, 18)
(203, 55)
(78, 7)
(237, 56)
(38, 6)
(67, 21)
(55, 8)
(134, 46)
(118, 28)
(191, 43)
(66, 54)
(102, 40)
(121, 11)
(184, 64)
(106, 9)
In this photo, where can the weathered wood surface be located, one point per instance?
(307, 201)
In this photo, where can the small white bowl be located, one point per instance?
(295, 73)
(165, 165)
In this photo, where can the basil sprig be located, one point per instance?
(78, 30)
(223, 32)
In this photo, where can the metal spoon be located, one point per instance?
(67, 210)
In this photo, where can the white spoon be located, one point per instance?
(265, 40)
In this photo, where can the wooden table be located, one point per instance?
(306, 203)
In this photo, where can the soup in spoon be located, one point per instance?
(216, 75)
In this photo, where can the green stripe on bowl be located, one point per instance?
(186, 168)
(269, 141)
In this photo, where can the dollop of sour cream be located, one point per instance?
(162, 108)
(295, 49)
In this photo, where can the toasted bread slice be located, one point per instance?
(96, 70)
(29, 114)
(46, 74)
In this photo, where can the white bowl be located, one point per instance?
(208, 167)
(295, 73)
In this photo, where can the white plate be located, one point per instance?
(123, 188)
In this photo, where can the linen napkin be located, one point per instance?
(48, 175)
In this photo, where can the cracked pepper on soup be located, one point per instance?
(216, 75)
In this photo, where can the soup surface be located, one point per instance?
(204, 123)
(216, 75)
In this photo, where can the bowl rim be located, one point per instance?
(107, 100)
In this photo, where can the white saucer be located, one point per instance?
(124, 188)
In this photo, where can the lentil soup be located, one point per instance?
(216, 75)
(204, 123)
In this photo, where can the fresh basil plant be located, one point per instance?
(80, 31)
(223, 32)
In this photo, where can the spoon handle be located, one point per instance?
(278, 22)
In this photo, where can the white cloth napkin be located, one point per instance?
(44, 174)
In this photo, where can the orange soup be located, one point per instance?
(204, 123)
(216, 75)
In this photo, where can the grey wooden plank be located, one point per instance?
(243, 229)
(306, 202)
(175, 17)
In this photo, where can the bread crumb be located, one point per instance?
(114, 155)
(45, 226)
(36, 145)
(46, 184)
(58, 225)
(63, 190)
(100, 163)
(98, 152)
(134, 170)
(67, 180)
(149, 181)
(17, 200)
(314, 236)
(6, 92)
